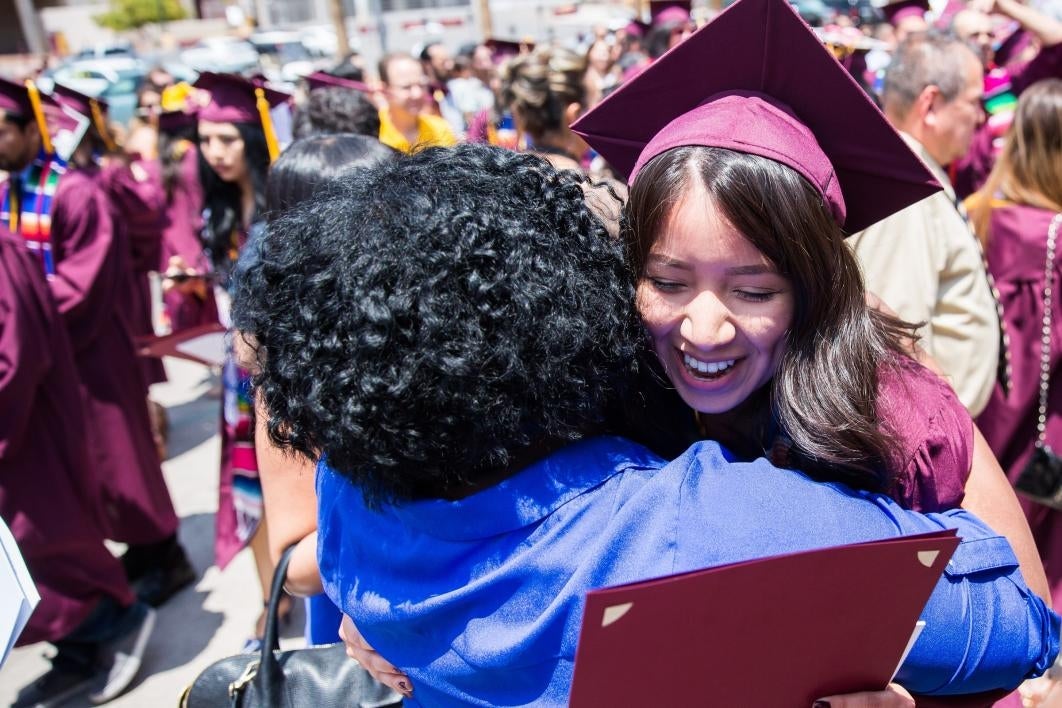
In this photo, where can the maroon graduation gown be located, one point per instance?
(45, 491)
(1016, 252)
(182, 223)
(91, 267)
(137, 206)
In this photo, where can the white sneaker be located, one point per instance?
(122, 658)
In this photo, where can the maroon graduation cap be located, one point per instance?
(31, 103)
(897, 10)
(92, 108)
(321, 79)
(173, 122)
(757, 80)
(662, 12)
(506, 48)
(77, 101)
(234, 99)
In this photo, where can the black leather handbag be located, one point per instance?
(1041, 478)
(316, 677)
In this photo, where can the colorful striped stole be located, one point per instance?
(27, 209)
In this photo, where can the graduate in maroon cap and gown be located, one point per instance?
(187, 293)
(136, 207)
(46, 491)
(236, 146)
(65, 219)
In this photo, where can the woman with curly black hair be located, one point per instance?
(452, 363)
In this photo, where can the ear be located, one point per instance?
(926, 105)
(573, 111)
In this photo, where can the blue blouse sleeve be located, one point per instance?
(984, 628)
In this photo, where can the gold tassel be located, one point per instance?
(267, 125)
(101, 126)
(38, 114)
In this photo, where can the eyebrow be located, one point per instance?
(757, 269)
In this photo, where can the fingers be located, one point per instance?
(377, 666)
(895, 696)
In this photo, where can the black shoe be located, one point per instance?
(61, 682)
(161, 582)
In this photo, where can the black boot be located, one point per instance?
(164, 570)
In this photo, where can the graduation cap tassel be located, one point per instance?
(101, 126)
(267, 125)
(38, 114)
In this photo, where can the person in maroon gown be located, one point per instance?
(136, 202)
(1012, 214)
(188, 297)
(63, 215)
(86, 603)
(236, 147)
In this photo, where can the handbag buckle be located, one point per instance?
(245, 678)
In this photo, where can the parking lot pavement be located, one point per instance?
(210, 619)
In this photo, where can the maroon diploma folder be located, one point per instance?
(773, 632)
(203, 344)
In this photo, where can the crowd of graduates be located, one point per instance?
(191, 189)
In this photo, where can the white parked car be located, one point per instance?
(221, 54)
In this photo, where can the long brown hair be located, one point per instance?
(824, 394)
(1029, 170)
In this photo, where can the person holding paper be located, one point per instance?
(87, 609)
(453, 363)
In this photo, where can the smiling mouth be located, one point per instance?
(707, 370)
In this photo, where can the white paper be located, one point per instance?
(915, 633)
(18, 594)
(208, 347)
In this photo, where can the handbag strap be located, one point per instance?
(1045, 332)
(271, 639)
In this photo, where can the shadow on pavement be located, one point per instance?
(192, 423)
(184, 627)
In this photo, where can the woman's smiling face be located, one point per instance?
(717, 309)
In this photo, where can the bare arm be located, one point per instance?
(1046, 28)
(290, 507)
(988, 493)
(990, 496)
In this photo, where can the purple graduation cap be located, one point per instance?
(757, 80)
(320, 79)
(898, 10)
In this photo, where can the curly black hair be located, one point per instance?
(433, 321)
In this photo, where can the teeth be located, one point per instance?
(706, 367)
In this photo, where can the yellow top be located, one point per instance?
(432, 131)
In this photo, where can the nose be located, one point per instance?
(707, 323)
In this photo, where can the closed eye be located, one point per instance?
(756, 295)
